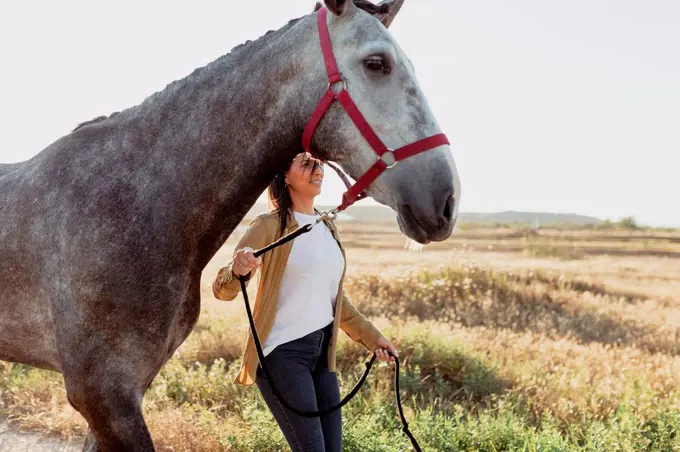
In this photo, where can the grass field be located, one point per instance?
(511, 339)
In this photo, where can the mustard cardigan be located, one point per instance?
(262, 231)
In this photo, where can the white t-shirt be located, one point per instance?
(309, 285)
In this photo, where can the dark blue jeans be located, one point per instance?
(300, 372)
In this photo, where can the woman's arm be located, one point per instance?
(361, 330)
(226, 285)
(357, 326)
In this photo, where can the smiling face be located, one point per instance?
(305, 176)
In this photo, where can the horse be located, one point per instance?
(105, 232)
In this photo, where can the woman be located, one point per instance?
(299, 308)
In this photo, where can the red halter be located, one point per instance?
(388, 158)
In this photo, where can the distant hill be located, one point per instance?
(540, 218)
(380, 214)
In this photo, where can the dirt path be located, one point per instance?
(11, 440)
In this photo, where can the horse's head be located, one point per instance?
(424, 189)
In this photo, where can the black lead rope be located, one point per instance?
(285, 239)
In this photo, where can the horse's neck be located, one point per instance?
(215, 140)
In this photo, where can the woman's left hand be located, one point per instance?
(382, 346)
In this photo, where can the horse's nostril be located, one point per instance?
(446, 214)
(448, 208)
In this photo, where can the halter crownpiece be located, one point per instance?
(387, 158)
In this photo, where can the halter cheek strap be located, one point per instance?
(387, 158)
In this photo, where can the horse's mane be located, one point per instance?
(365, 5)
(97, 119)
(370, 8)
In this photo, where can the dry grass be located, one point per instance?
(182, 429)
(494, 327)
(36, 400)
(552, 304)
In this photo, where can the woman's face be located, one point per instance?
(305, 175)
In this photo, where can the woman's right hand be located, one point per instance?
(245, 262)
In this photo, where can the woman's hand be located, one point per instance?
(382, 346)
(244, 262)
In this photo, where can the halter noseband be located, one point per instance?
(388, 158)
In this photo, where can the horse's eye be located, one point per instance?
(376, 64)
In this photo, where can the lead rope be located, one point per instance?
(369, 364)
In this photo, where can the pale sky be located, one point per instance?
(556, 106)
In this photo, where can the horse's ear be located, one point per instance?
(337, 7)
(318, 6)
(393, 8)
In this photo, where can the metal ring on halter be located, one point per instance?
(344, 86)
(331, 215)
(391, 161)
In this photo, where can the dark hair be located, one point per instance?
(278, 196)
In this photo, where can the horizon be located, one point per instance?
(550, 108)
(261, 202)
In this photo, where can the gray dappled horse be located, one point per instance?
(104, 234)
